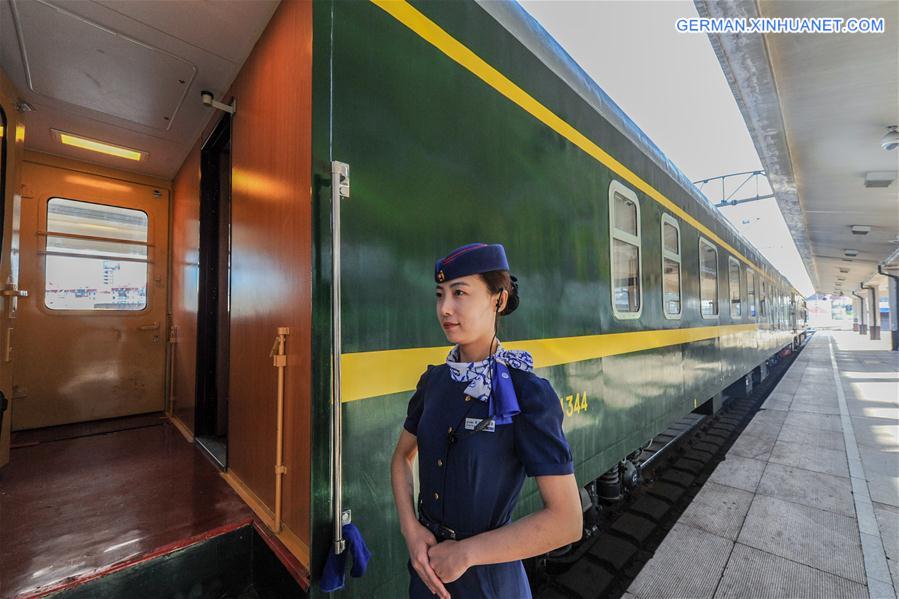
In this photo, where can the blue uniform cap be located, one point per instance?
(471, 259)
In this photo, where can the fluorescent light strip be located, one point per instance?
(98, 146)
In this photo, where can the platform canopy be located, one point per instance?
(817, 106)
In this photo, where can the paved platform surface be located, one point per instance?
(806, 503)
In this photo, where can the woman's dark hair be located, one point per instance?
(497, 280)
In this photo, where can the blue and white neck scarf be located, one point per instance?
(489, 379)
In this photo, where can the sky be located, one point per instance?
(671, 85)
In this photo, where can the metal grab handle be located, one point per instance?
(340, 188)
(13, 291)
(279, 361)
(149, 327)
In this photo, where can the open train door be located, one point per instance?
(11, 148)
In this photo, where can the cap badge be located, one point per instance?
(440, 276)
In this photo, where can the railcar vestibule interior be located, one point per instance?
(155, 248)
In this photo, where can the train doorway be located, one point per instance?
(5, 420)
(213, 314)
(89, 341)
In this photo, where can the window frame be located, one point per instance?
(615, 233)
(730, 301)
(678, 257)
(750, 273)
(717, 313)
(148, 262)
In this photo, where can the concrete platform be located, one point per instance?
(806, 504)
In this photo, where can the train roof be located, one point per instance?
(527, 30)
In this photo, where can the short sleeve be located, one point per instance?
(416, 404)
(539, 441)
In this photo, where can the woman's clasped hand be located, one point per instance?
(420, 541)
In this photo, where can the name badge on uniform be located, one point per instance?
(470, 423)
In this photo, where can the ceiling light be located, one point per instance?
(94, 145)
(844, 270)
(841, 278)
(879, 178)
(890, 141)
(847, 259)
(860, 229)
(850, 253)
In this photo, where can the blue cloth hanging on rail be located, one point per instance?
(334, 571)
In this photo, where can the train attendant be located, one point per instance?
(480, 423)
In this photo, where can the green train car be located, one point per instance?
(463, 122)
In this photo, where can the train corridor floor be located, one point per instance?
(85, 500)
(806, 503)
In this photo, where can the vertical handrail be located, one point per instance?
(279, 361)
(340, 172)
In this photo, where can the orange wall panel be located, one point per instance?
(271, 261)
(185, 274)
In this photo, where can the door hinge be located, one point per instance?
(340, 176)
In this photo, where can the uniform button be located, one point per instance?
(436, 495)
(450, 430)
(468, 398)
(440, 462)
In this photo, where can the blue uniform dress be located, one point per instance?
(472, 484)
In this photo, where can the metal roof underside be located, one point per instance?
(816, 106)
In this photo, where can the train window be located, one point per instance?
(733, 283)
(624, 216)
(708, 278)
(671, 267)
(750, 292)
(776, 305)
(763, 300)
(96, 257)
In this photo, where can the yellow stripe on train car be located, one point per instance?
(377, 373)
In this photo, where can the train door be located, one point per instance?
(9, 299)
(90, 339)
(213, 314)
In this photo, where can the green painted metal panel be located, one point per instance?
(437, 159)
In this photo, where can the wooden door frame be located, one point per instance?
(211, 323)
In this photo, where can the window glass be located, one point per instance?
(96, 220)
(750, 292)
(733, 281)
(708, 278)
(626, 276)
(671, 267)
(763, 301)
(670, 237)
(625, 214)
(96, 257)
(671, 287)
(625, 250)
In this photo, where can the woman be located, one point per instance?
(480, 423)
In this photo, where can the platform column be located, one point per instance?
(893, 289)
(874, 312)
(855, 309)
(862, 314)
